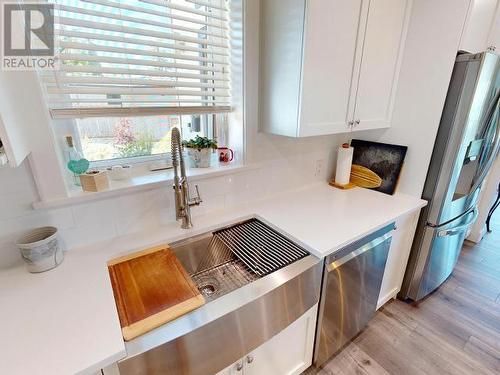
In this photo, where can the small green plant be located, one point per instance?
(200, 143)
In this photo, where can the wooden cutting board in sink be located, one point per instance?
(151, 288)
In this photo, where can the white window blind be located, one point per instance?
(120, 57)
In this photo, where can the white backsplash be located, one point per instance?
(285, 164)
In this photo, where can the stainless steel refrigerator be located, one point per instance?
(466, 145)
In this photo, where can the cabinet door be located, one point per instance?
(331, 32)
(281, 33)
(494, 37)
(384, 36)
(289, 352)
(480, 20)
(111, 370)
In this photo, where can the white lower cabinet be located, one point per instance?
(111, 370)
(402, 239)
(288, 353)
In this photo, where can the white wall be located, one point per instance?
(432, 43)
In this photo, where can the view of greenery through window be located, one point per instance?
(112, 138)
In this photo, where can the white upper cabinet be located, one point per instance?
(384, 36)
(493, 43)
(282, 24)
(482, 27)
(327, 63)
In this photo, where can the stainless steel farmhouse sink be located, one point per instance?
(255, 281)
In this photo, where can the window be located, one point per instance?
(110, 138)
(130, 70)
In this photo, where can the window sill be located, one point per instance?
(137, 183)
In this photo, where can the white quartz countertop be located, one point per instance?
(65, 322)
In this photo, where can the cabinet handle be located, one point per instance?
(249, 359)
(239, 366)
(357, 122)
(350, 123)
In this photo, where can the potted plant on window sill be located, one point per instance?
(199, 151)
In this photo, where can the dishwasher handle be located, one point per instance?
(332, 266)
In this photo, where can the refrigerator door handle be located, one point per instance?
(496, 144)
(460, 228)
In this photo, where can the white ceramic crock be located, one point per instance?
(41, 249)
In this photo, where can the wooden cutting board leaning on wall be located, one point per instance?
(151, 288)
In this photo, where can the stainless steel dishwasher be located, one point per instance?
(351, 285)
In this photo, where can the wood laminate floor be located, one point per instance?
(456, 330)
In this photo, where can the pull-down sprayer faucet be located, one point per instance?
(183, 201)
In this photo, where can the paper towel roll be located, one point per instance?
(344, 162)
